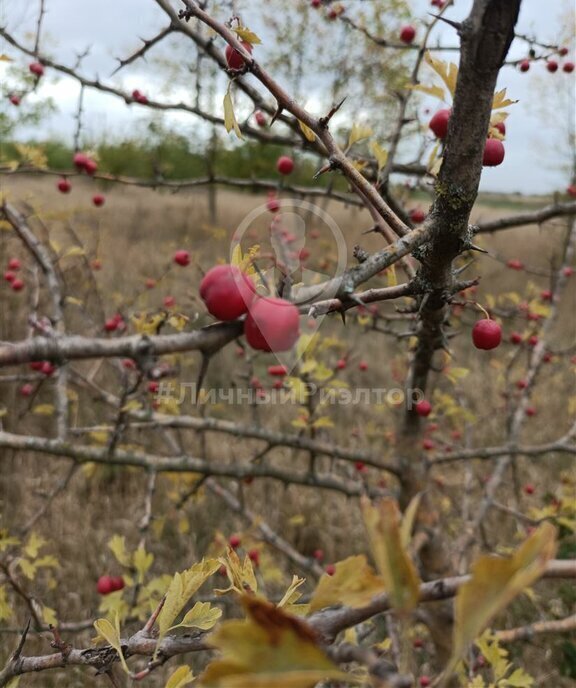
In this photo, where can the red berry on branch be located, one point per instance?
(423, 408)
(417, 215)
(552, 66)
(36, 68)
(330, 569)
(227, 292)
(17, 284)
(182, 258)
(439, 123)
(105, 585)
(493, 153)
(285, 164)
(486, 334)
(98, 200)
(26, 390)
(529, 489)
(407, 34)
(233, 57)
(524, 65)
(64, 186)
(515, 264)
(568, 67)
(515, 338)
(260, 118)
(234, 541)
(9, 276)
(14, 264)
(14, 99)
(272, 324)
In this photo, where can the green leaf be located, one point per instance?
(244, 34)
(308, 133)
(202, 615)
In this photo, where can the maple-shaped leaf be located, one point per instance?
(401, 580)
(495, 582)
(358, 133)
(501, 101)
(268, 648)
(447, 71)
(240, 574)
(354, 584)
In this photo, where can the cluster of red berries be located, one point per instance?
(83, 163)
(108, 584)
(11, 275)
(139, 97)
(551, 64)
(493, 148)
(272, 324)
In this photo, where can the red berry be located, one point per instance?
(64, 186)
(254, 556)
(547, 358)
(417, 643)
(153, 387)
(360, 466)
(98, 200)
(425, 681)
(14, 264)
(552, 66)
(546, 295)
(36, 68)
(439, 123)
(80, 160)
(486, 334)
(568, 271)
(91, 166)
(568, 67)
(278, 384)
(105, 585)
(14, 99)
(417, 215)
(529, 489)
(284, 164)
(330, 569)
(272, 325)
(316, 3)
(515, 338)
(407, 34)
(493, 153)
(524, 65)
(423, 408)
(233, 57)
(363, 365)
(169, 301)
(36, 365)
(17, 284)
(234, 541)
(521, 384)
(571, 190)
(182, 258)
(129, 364)
(431, 427)
(111, 325)
(272, 204)
(456, 435)
(428, 444)
(318, 554)
(9, 276)
(260, 118)
(26, 390)
(227, 292)
(563, 51)
(278, 370)
(533, 340)
(531, 411)
(341, 364)
(149, 283)
(515, 264)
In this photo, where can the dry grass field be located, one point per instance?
(134, 236)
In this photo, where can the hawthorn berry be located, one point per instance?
(428, 444)
(80, 160)
(531, 411)
(227, 292)
(486, 334)
(14, 264)
(493, 153)
(341, 364)
(552, 66)
(36, 68)
(515, 338)
(363, 366)
(14, 99)
(272, 324)
(64, 186)
(17, 284)
(9, 276)
(233, 57)
(285, 164)
(105, 585)
(439, 123)
(91, 166)
(417, 215)
(568, 67)
(515, 264)
(330, 569)
(234, 541)
(501, 126)
(407, 34)
(423, 408)
(254, 556)
(260, 118)
(277, 370)
(98, 200)
(182, 258)
(524, 65)
(318, 554)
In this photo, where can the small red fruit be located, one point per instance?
(277, 370)
(546, 295)
(501, 126)
(17, 284)
(182, 258)
(407, 34)
(515, 264)
(47, 368)
(111, 325)
(563, 51)
(425, 681)
(552, 66)
(318, 554)
(341, 364)
(529, 489)
(64, 186)
(493, 153)
(91, 166)
(417, 215)
(36, 68)
(547, 358)
(316, 3)
(14, 99)
(105, 585)
(149, 283)
(439, 123)
(428, 444)
(568, 67)
(524, 65)
(169, 301)
(272, 325)
(234, 541)
(486, 334)
(139, 97)
(98, 200)
(254, 556)
(26, 390)
(417, 643)
(330, 569)
(36, 365)
(423, 408)
(533, 340)
(117, 583)
(568, 271)
(571, 190)
(521, 384)
(515, 338)
(14, 264)
(285, 164)
(80, 160)
(531, 411)
(272, 204)
(260, 118)
(153, 387)
(363, 365)
(233, 57)
(360, 466)
(9, 276)
(227, 292)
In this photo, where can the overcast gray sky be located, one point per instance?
(536, 146)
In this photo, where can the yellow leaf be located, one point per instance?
(133, 405)
(181, 677)
(392, 561)
(34, 545)
(148, 323)
(447, 72)
(353, 584)
(495, 582)
(202, 615)
(74, 251)
(99, 436)
(323, 422)
(117, 544)
(408, 520)
(308, 133)
(381, 154)
(74, 301)
(142, 562)
(434, 91)
(43, 410)
(178, 321)
(181, 589)
(269, 648)
(297, 520)
(246, 35)
(291, 596)
(392, 279)
(229, 116)
(5, 58)
(32, 155)
(111, 633)
(49, 616)
(500, 100)
(358, 133)
(5, 607)
(4, 225)
(240, 574)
